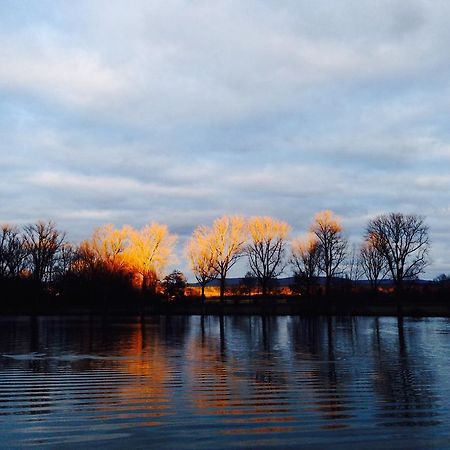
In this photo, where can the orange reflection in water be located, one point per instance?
(145, 394)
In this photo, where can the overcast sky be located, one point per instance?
(180, 111)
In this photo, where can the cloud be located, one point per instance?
(180, 111)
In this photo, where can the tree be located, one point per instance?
(442, 278)
(12, 252)
(65, 260)
(148, 251)
(373, 263)
(402, 240)
(200, 254)
(227, 240)
(107, 246)
(266, 249)
(248, 283)
(353, 269)
(333, 245)
(87, 260)
(42, 241)
(174, 285)
(306, 255)
(305, 259)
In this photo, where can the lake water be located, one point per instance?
(235, 382)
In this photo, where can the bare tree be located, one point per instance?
(373, 263)
(12, 252)
(305, 259)
(353, 266)
(148, 251)
(107, 246)
(266, 249)
(333, 245)
(200, 254)
(87, 260)
(306, 256)
(42, 241)
(227, 239)
(65, 259)
(403, 241)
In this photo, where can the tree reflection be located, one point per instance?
(402, 381)
(314, 340)
(237, 375)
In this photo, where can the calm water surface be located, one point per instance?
(235, 382)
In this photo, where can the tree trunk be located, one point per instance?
(264, 288)
(327, 285)
(203, 294)
(222, 289)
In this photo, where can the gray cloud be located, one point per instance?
(180, 111)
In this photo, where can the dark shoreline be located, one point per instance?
(323, 308)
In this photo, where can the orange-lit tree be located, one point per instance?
(106, 247)
(227, 240)
(200, 254)
(148, 251)
(266, 249)
(333, 245)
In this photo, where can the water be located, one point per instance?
(236, 382)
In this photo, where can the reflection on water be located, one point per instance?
(229, 382)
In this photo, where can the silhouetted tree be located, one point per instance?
(248, 283)
(65, 259)
(353, 269)
(333, 245)
(305, 260)
(442, 279)
(373, 262)
(403, 241)
(12, 252)
(266, 249)
(174, 285)
(42, 241)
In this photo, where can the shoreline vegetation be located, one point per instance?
(281, 307)
(123, 270)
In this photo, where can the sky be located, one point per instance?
(181, 111)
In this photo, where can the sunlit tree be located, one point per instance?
(200, 254)
(42, 241)
(266, 249)
(333, 245)
(227, 239)
(403, 241)
(148, 251)
(142, 254)
(107, 246)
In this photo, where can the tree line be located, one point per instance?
(394, 246)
